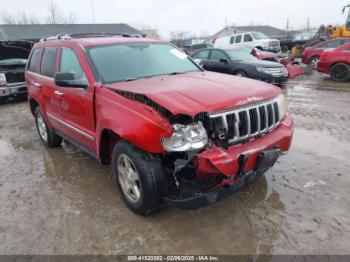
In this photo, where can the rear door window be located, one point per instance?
(238, 39)
(33, 64)
(48, 62)
(331, 44)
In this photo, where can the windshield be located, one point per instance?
(240, 55)
(125, 62)
(13, 61)
(259, 35)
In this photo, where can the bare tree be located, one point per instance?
(71, 18)
(6, 18)
(20, 19)
(54, 14)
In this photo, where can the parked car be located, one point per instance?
(191, 49)
(252, 39)
(241, 63)
(311, 55)
(336, 63)
(12, 84)
(262, 55)
(172, 132)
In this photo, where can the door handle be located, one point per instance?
(59, 93)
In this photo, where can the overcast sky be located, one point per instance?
(195, 16)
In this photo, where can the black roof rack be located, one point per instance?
(65, 36)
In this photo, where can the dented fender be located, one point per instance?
(136, 123)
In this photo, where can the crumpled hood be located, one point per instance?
(192, 93)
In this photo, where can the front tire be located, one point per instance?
(340, 72)
(314, 61)
(139, 177)
(46, 134)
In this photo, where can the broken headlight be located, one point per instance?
(282, 106)
(186, 138)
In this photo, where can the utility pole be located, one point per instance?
(308, 24)
(287, 26)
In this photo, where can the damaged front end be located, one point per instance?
(212, 155)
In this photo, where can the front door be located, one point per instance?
(218, 62)
(76, 109)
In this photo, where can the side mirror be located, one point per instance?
(68, 79)
(223, 60)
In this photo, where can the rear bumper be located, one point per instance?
(226, 162)
(323, 67)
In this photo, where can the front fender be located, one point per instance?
(132, 121)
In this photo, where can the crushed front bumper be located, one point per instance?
(13, 90)
(226, 162)
(213, 196)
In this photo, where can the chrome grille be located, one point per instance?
(276, 72)
(248, 122)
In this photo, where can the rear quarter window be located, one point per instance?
(48, 62)
(33, 63)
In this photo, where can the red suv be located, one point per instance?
(336, 62)
(173, 132)
(311, 55)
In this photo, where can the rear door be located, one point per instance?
(47, 71)
(75, 105)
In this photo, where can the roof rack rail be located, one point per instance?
(65, 36)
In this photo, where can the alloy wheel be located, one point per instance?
(42, 127)
(129, 178)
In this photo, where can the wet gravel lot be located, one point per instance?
(61, 201)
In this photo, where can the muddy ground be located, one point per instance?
(61, 201)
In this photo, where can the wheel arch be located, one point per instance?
(33, 103)
(108, 140)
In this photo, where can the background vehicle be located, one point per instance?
(251, 39)
(241, 63)
(160, 126)
(191, 49)
(262, 55)
(336, 62)
(12, 84)
(324, 33)
(311, 55)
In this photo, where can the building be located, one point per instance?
(37, 31)
(16, 41)
(151, 33)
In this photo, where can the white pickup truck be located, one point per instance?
(252, 39)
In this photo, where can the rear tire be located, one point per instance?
(340, 72)
(46, 134)
(140, 178)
